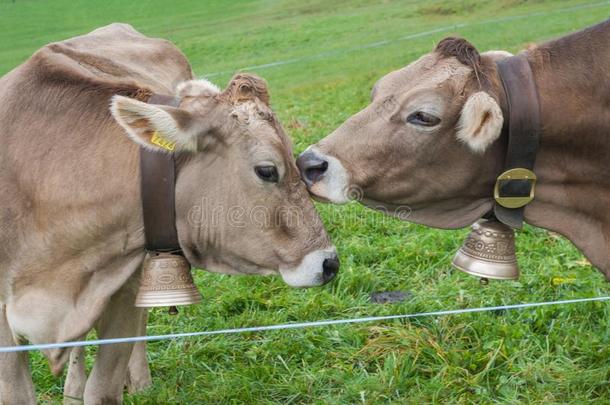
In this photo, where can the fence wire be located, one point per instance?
(285, 326)
(381, 43)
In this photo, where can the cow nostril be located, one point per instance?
(312, 167)
(315, 172)
(330, 267)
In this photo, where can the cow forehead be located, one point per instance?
(429, 71)
(262, 124)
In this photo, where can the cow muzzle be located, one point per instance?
(316, 268)
(324, 175)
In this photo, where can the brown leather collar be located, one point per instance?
(515, 187)
(158, 179)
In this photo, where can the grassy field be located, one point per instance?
(331, 52)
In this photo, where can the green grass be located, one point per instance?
(545, 355)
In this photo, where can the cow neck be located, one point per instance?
(515, 187)
(157, 188)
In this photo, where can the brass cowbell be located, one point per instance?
(166, 281)
(489, 251)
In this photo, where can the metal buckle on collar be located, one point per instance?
(518, 173)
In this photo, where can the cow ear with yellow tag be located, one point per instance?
(155, 127)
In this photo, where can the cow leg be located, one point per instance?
(16, 386)
(74, 387)
(138, 373)
(120, 319)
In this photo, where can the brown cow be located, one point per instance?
(431, 139)
(72, 231)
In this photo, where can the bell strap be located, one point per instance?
(157, 188)
(515, 187)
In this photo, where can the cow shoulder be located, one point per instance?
(112, 56)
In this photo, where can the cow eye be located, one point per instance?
(267, 173)
(423, 119)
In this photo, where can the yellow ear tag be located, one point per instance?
(158, 140)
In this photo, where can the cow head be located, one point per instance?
(241, 206)
(425, 147)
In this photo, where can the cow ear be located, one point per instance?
(480, 122)
(496, 55)
(155, 127)
(197, 88)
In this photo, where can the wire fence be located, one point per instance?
(385, 42)
(299, 325)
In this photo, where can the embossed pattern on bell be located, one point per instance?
(166, 281)
(489, 251)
